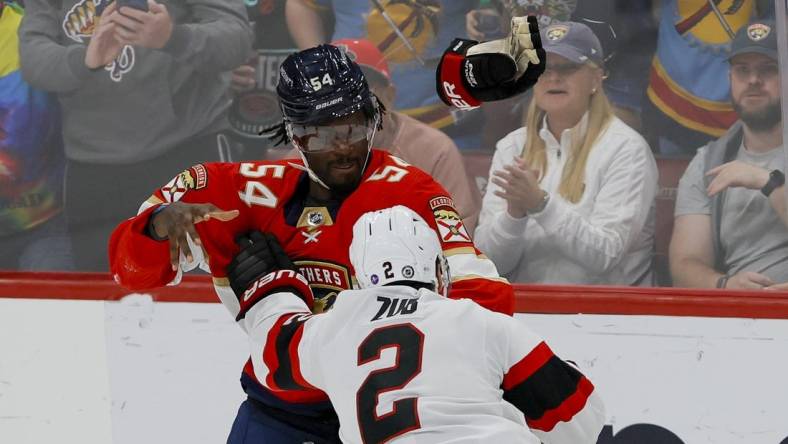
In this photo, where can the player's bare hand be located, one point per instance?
(748, 280)
(148, 29)
(243, 78)
(519, 187)
(104, 45)
(736, 174)
(179, 219)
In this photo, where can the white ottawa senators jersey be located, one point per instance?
(402, 365)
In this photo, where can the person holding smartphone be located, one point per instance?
(142, 91)
(141, 5)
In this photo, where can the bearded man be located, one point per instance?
(731, 226)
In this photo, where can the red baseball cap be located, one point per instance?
(366, 54)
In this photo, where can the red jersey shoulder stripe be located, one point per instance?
(567, 410)
(546, 389)
(527, 366)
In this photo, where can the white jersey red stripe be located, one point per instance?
(402, 365)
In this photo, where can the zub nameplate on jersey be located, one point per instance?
(450, 225)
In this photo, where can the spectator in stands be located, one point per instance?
(416, 143)
(688, 102)
(32, 232)
(625, 28)
(141, 94)
(571, 194)
(429, 26)
(255, 105)
(731, 227)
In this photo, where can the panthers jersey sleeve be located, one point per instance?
(560, 404)
(139, 262)
(473, 275)
(282, 337)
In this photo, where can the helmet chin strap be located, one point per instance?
(305, 167)
(371, 137)
(443, 277)
(309, 171)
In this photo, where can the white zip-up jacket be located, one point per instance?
(605, 238)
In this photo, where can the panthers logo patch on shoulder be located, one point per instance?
(450, 225)
(193, 178)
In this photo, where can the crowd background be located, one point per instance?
(80, 146)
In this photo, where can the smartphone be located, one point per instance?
(142, 5)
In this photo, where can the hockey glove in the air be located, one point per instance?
(262, 268)
(470, 72)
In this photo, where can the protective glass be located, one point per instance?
(767, 70)
(315, 139)
(562, 69)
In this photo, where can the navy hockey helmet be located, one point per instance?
(320, 84)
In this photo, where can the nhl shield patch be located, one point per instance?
(450, 225)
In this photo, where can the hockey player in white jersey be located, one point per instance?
(400, 362)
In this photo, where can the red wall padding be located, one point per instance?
(529, 298)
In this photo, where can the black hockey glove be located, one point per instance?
(471, 73)
(258, 256)
(262, 268)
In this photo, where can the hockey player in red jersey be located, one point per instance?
(310, 206)
(392, 361)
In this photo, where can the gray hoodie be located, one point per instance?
(148, 100)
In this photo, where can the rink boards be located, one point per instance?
(141, 371)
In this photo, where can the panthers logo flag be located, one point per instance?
(417, 20)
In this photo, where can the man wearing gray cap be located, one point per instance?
(731, 228)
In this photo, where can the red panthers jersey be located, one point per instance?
(269, 196)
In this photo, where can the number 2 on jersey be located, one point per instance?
(404, 417)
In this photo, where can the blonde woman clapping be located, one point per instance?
(571, 194)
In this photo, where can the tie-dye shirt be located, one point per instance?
(31, 149)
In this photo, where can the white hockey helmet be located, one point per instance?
(396, 244)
